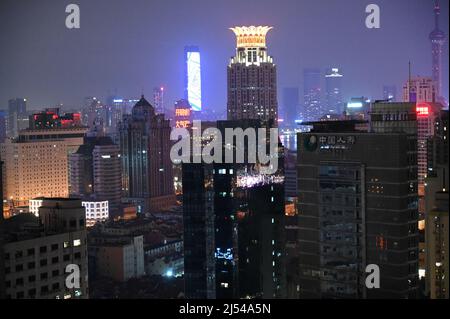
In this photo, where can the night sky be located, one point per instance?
(131, 46)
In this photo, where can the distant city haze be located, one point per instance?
(127, 48)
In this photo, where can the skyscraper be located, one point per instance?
(95, 171)
(436, 211)
(252, 77)
(193, 77)
(116, 109)
(334, 99)
(233, 228)
(17, 116)
(437, 38)
(312, 107)
(348, 215)
(147, 176)
(158, 99)
(290, 106)
(93, 112)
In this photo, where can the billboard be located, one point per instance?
(194, 83)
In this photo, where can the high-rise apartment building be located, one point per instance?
(357, 198)
(147, 173)
(37, 252)
(36, 163)
(252, 77)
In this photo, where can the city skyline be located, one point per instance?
(158, 57)
(292, 149)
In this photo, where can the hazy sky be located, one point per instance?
(134, 45)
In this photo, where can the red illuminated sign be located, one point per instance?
(423, 109)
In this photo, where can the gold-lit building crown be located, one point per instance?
(251, 36)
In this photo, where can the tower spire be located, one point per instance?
(437, 12)
(437, 38)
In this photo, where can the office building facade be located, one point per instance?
(354, 211)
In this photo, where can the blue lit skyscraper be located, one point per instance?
(193, 78)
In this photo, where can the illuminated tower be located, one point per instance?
(437, 38)
(252, 77)
(193, 77)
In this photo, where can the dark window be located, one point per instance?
(73, 224)
(55, 273)
(55, 260)
(19, 267)
(54, 247)
(7, 270)
(31, 265)
(81, 222)
(32, 278)
(77, 255)
(19, 254)
(20, 295)
(43, 262)
(55, 286)
(43, 249)
(44, 289)
(66, 257)
(30, 252)
(8, 284)
(19, 282)
(44, 276)
(32, 292)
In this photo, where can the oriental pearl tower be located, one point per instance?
(437, 38)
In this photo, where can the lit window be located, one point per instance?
(66, 244)
(77, 242)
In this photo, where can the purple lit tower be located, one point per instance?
(437, 38)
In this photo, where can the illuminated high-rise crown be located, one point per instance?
(251, 36)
